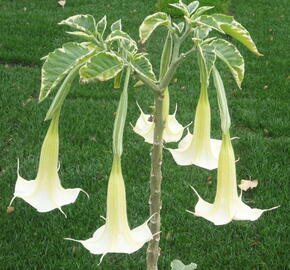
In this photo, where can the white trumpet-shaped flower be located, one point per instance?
(227, 205)
(46, 193)
(116, 236)
(172, 130)
(199, 149)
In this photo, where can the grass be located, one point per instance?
(260, 116)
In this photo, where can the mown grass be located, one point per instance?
(260, 117)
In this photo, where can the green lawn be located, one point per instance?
(260, 117)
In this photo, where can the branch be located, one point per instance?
(151, 84)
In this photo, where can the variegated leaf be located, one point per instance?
(142, 65)
(230, 26)
(178, 265)
(101, 27)
(192, 7)
(200, 11)
(209, 21)
(229, 54)
(82, 35)
(103, 66)
(85, 23)
(58, 63)
(117, 25)
(128, 43)
(181, 6)
(150, 23)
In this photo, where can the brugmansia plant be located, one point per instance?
(107, 54)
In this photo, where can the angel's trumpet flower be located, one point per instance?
(115, 236)
(199, 149)
(227, 205)
(172, 130)
(46, 193)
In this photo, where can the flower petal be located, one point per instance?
(211, 212)
(186, 154)
(244, 212)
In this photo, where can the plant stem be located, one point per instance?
(153, 250)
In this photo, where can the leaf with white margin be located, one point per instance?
(209, 21)
(142, 65)
(101, 27)
(231, 27)
(117, 25)
(231, 56)
(103, 66)
(200, 11)
(85, 23)
(181, 6)
(82, 35)
(58, 63)
(127, 42)
(179, 26)
(192, 7)
(151, 22)
(178, 265)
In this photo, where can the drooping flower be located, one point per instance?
(145, 124)
(227, 205)
(199, 149)
(46, 193)
(116, 236)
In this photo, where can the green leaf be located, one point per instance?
(103, 66)
(192, 7)
(236, 30)
(61, 93)
(178, 265)
(231, 56)
(58, 63)
(82, 35)
(151, 22)
(84, 23)
(200, 11)
(179, 26)
(181, 6)
(128, 43)
(201, 32)
(142, 65)
(101, 27)
(209, 21)
(117, 25)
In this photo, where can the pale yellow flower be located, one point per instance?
(199, 149)
(46, 193)
(116, 236)
(172, 130)
(227, 205)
